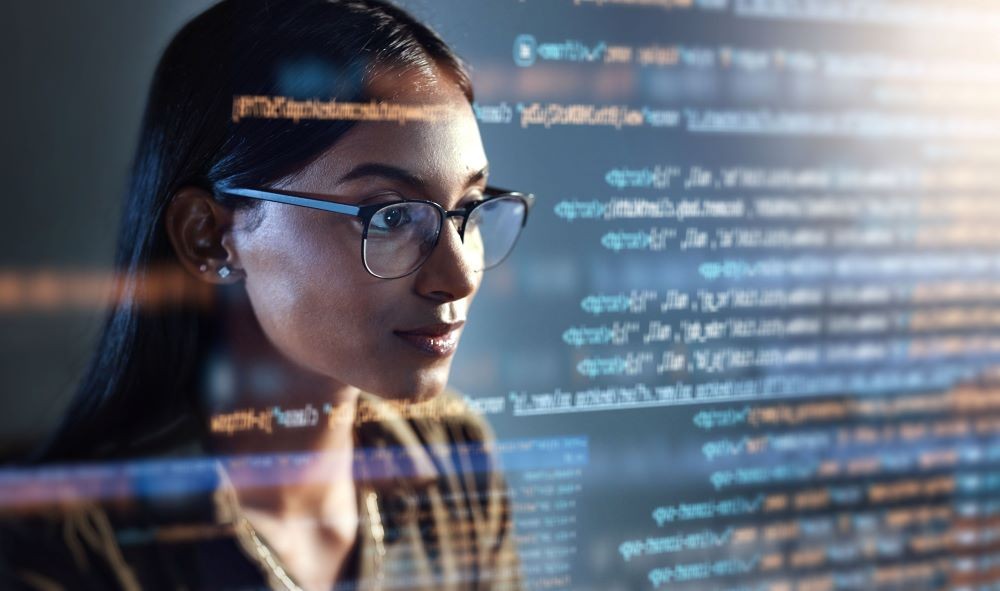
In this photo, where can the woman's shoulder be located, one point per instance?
(432, 438)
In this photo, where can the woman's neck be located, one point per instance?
(300, 422)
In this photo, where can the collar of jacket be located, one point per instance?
(391, 448)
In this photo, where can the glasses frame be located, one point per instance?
(367, 212)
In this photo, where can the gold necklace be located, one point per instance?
(264, 552)
(378, 534)
(280, 575)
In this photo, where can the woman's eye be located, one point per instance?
(391, 218)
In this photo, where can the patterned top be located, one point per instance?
(433, 508)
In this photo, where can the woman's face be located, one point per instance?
(304, 276)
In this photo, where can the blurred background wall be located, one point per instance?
(75, 77)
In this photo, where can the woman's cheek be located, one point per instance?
(288, 280)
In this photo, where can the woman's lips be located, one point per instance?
(439, 340)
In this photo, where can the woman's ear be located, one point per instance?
(199, 229)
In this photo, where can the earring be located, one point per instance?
(203, 267)
(224, 271)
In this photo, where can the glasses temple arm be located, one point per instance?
(294, 200)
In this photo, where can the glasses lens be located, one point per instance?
(493, 228)
(400, 238)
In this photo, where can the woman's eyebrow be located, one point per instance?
(401, 174)
(478, 176)
(385, 171)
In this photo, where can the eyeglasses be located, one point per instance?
(399, 236)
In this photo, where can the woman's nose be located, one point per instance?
(448, 273)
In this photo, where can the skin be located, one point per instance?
(310, 311)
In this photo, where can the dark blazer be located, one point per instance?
(442, 501)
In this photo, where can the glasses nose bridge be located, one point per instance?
(456, 252)
(459, 225)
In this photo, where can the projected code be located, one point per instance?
(775, 223)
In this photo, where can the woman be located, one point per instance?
(342, 253)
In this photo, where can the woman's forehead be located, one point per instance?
(443, 153)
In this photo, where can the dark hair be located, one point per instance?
(144, 375)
